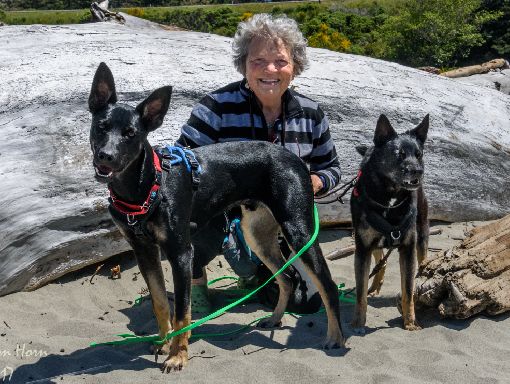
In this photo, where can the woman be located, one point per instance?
(269, 52)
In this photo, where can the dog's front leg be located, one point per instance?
(378, 280)
(149, 262)
(362, 259)
(180, 258)
(407, 278)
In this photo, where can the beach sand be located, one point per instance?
(45, 335)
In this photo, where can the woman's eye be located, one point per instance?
(258, 62)
(281, 63)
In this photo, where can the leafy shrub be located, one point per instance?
(137, 12)
(328, 38)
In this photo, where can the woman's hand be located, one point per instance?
(316, 183)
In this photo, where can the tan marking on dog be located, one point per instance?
(178, 355)
(260, 231)
(161, 309)
(378, 280)
(408, 314)
(334, 334)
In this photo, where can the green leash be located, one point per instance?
(130, 339)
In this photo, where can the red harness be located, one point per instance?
(355, 191)
(134, 209)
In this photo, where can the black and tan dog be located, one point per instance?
(389, 210)
(154, 209)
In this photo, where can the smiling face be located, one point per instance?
(269, 70)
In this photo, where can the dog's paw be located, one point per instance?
(269, 323)
(334, 343)
(175, 363)
(358, 329)
(412, 327)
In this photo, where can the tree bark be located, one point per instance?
(471, 278)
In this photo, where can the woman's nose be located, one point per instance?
(271, 67)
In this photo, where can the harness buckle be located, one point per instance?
(166, 164)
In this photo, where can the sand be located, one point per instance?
(45, 335)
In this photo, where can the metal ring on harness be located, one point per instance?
(397, 236)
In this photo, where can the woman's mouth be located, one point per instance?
(270, 82)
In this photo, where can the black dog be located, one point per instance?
(271, 184)
(389, 210)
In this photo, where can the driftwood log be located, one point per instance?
(100, 12)
(476, 69)
(471, 278)
(53, 213)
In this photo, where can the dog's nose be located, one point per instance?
(413, 171)
(102, 155)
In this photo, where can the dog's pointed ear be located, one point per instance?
(362, 149)
(420, 132)
(103, 91)
(154, 108)
(384, 132)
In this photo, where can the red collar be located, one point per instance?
(134, 209)
(355, 191)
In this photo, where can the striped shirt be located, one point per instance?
(233, 114)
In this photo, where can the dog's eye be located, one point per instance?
(130, 133)
(419, 154)
(402, 154)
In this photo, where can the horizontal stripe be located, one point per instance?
(224, 115)
(207, 116)
(229, 97)
(197, 137)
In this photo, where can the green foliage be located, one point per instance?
(2, 15)
(412, 32)
(47, 17)
(497, 32)
(432, 32)
(327, 37)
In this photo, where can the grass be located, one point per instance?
(47, 17)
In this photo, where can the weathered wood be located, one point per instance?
(53, 215)
(100, 12)
(476, 69)
(341, 253)
(471, 278)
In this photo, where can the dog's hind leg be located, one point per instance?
(297, 234)
(378, 280)
(260, 231)
(422, 227)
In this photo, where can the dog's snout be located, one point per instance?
(413, 171)
(103, 156)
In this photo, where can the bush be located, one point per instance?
(137, 12)
(328, 38)
(433, 32)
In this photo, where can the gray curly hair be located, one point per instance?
(269, 27)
